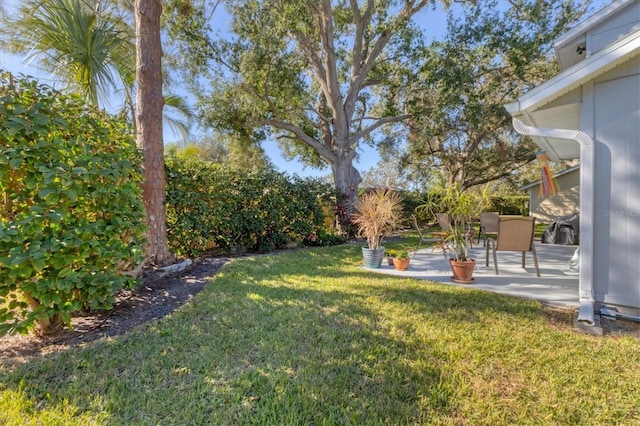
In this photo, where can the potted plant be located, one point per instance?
(390, 255)
(377, 213)
(460, 206)
(401, 260)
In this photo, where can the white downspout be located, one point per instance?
(587, 209)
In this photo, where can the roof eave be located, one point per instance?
(595, 19)
(582, 72)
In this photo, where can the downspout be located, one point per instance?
(587, 209)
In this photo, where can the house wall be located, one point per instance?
(566, 202)
(614, 104)
(612, 29)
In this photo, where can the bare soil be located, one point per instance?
(158, 296)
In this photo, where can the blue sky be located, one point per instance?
(433, 20)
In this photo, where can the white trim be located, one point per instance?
(574, 77)
(598, 17)
(544, 144)
(587, 209)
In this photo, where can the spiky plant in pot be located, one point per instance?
(377, 213)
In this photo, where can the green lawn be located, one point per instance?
(311, 338)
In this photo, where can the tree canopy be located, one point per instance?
(325, 77)
(492, 53)
(88, 47)
(222, 149)
(321, 77)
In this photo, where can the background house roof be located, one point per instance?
(536, 183)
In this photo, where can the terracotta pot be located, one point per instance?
(462, 270)
(401, 264)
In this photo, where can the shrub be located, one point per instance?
(411, 200)
(402, 254)
(235, 209)
(514, 205)
(324, 237)
(72, 218)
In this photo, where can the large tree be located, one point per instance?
(322, 77)
(492, 53)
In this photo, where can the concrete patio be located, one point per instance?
(557, 285)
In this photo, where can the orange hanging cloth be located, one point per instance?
(547, 185)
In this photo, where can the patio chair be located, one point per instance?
(438, 238)
(514, 234)
(421, 237)
(488, 225)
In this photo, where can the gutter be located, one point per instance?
(587, 210)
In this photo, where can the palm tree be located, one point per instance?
(88, 47)
(78, 43)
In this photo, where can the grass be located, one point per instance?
(311, 337)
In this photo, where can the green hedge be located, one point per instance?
(516, 204)
(505, 205)
(233, 209)
(72, 214)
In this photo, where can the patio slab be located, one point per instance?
(557, 285)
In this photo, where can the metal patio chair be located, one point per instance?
(488, 225)
(515, 233)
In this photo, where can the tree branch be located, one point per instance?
(369, 62)
(381, 122)
(334, 95)
(307, 46)
(359, 45)
(322, 150)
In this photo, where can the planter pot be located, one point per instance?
(462, 271)
(390, 260)
(401, 264)
(373, 257)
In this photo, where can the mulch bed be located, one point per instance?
(154, 298)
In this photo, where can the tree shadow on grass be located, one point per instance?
(296, 339)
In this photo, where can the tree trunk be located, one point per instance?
(47, 325)
(149, 103)
(346, 179)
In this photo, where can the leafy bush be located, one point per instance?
(324, 237)
(72, 218)
(515, 205)
(411, 200)
(235, 209)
